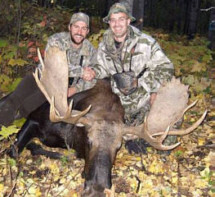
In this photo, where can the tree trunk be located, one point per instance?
(180, 15)
(192, 18)
(194, 13)
(187, 14)
(138, 13)
(172, 15)
(211, 34)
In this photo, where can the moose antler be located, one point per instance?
(52, 79)
(168, 107)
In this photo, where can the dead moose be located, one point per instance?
(94, 126)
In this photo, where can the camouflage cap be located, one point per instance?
(80, 16)
(116, 8)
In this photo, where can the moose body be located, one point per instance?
(98, 148)
(103, 128)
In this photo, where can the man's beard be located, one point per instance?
(73, 40)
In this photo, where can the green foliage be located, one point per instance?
(12, 162)
(8, 65)
(5, 82)
(191, 58)
(96, 38)
(8, 84)
(46, 21)
(17, 62)
(8, 131)
(178, 153)
(19, 123)
(3, 43)
(64, 160)
(208, 175)
(14, 55)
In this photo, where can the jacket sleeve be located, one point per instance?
(85, 85)
(159, 69)
(57, 41)
(100, 65)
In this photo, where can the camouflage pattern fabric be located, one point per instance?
(116, 8)
(74, 56)
(146, 59)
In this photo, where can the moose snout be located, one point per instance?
(98, 175)
(94, 191)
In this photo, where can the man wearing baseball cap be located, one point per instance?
(135, 61)
(27, 96)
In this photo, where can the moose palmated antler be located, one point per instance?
(168, 107)
(52, 79)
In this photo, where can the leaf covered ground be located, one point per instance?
(187, 171)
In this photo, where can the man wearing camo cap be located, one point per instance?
(135, 62)
(27, 96)
(79, 51)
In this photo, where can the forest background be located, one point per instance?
(185, 30)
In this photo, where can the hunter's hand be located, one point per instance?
(71, 91)
(152, 98)
(88, 74)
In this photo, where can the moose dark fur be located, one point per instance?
(98, 151)
(97, 142)
(101, 136)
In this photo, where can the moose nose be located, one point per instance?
(94, 191)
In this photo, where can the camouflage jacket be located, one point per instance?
(77, 58)
(140, 53)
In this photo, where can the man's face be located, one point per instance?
(78, 31)
(119, 23)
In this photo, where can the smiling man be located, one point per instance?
(135, 62)
(79, 52)
(27, 96)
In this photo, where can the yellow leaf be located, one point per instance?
(32, 190)
(38, 193)
(201, 183)
(12, 62)
(201, 141)
(197, 193)
(174, 180)
(1, 188)
(198, 67)
(19, 62)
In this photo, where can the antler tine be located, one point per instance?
(190, 106)
(142, 132)
(71, 116)
(40, 58)
(40, 85)
(189, 129)
(157, 142)
(38, 73)
(180, 132)
(186, 109)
